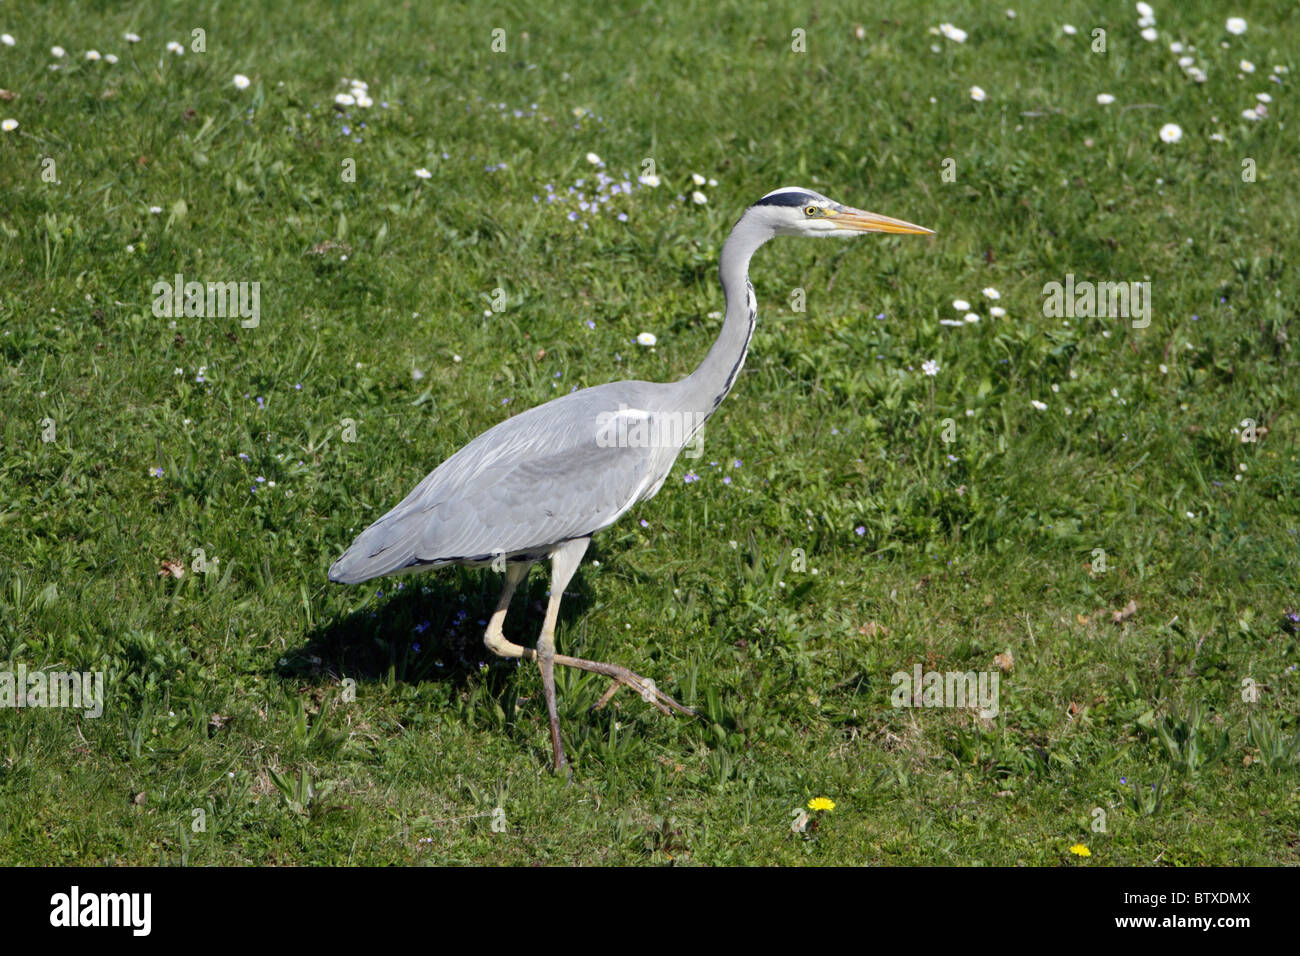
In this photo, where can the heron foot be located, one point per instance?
(546, 662)
(644, 686)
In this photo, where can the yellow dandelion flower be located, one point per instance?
(1080, 850)
(821, 803)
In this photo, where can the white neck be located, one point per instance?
(706, 387)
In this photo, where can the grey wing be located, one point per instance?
(519, 488)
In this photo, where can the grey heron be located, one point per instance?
(540, 484)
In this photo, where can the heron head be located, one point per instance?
(794, 211)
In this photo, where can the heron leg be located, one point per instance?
(493, 637)
(564, 562)
(644, 686)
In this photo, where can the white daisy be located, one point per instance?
(699, 198)
(423, 173)
(58, 52)
(1105, 99)
(971, 318)
(1041, 406)
(9, 125)
(1150, 35)
(997, 311)
(1069, 30)
(1144, 10)
(130, 37)
(930, 367)
(344, 99)
(646, 338)
(1171, 132)
(1235, 25)
(991, 293)
(174, 47)
(977, 94)
(649, 179)
(92, 55)
(6, 39)
(1246, 66)
(593, 159)
(241, 82)
(956, 34)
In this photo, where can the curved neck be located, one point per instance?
(709, 384)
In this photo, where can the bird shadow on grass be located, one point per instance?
(429, 627)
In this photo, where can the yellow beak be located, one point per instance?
(865, 221)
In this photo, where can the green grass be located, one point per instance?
(231, 692)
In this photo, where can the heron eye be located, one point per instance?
(812, 211)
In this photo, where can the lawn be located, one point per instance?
(452, 213)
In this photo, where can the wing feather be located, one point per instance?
(524, 486)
